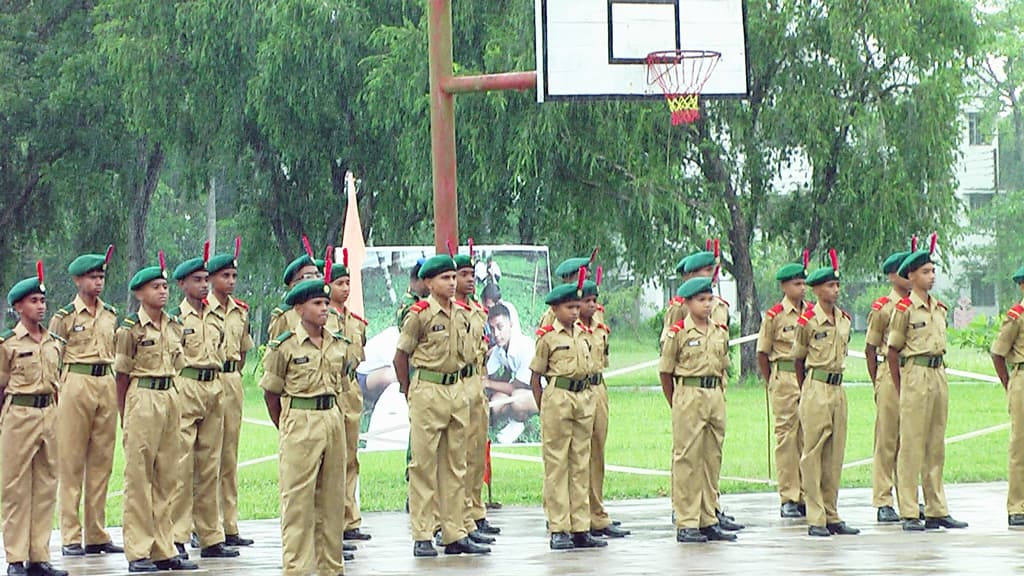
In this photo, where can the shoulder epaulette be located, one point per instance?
(335, 311)
(176, 318)
(173, 312)
(676, 300)
(6, 334)
(545, 330)
(846, 314)
(807, 315)
(678, 326)
(604, 327)
(360, 318)
(110, 308)
(65, 310)
(420, 306)
(903, 304)
(462, 305)
(600, 308)
(342, 337)
(941, 303)
(723, 300)
(130, 320)
(1015, 312)
(584, 327)
(723, 327)
(58, 338)
(278, 310)
(880, 303)
(240, 303)
(280, 339)
(774, 310)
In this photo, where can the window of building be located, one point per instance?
(976, 201)
(982, 293)
(976, 136)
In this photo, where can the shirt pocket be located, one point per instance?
(562, 359)
(149, 353)
(302, 372)
(26, 368)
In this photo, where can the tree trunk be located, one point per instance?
(149, 159)
(211, 215)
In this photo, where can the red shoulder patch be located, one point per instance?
(848, 317)
(723, 327)
(904, 304)
(880, 303)
(678, 326)
(462, 305)
(360, 318)
(941, 303)
(677, 301)
(1015, 312)
(241, 304)
(774, 310)
(723, 300)
(545, 330)
(806, 316)
(420, 306)
(600, 308)
(604, 327)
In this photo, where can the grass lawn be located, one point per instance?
(640, 436)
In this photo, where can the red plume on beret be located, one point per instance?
(308, 247)
(933, 242)
(470, 242)
(718, 250)
(238, 246)
(344, 257)
(593, 255)
(807, 259)
(39, 275)
(834, 260)
(110, 254)
(580, 280)
(206, 252)
(913, 243)
(328, 265)
(599, 275)
(162, 260)
(707, 245)
(451, 251)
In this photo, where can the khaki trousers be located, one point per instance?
(233, 399)
(202, 435)
(1015, 399)
(698, 431)
(823, 419)
(924, 405)
(86, 434)
(599, 519)
(784, 394)
(352, 403)
(152, 451)
(438, 418)
(28, 447)
(566, 424)
(311, 477)
(887, 438)
(476, 450)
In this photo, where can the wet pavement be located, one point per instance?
(769, 545)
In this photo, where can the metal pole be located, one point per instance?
(442, 125)
(490, 82)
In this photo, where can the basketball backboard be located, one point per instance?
(597, 48)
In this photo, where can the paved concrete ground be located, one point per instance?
(769, 545)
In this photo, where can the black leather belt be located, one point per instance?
(32, 400)
(161, 383)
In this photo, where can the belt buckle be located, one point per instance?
(322, 402)
(39, 401)
(835, 379)
(98, 370)
(935, 362)
(707, 382)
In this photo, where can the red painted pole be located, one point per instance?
(442, 125)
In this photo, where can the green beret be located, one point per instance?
(694, 286)
(25, 288)
(220, 262)
(1018, 276)
(87, 263)
(339, 271)
(590, 288)
(681, 266)
(822, 275)
(892, 263)
(699, 260)
(914, 261)
(145, 276)
(293, 267)
(463, 261)
(562, 293)
(307, 290)
(569, 267)
(436, 265)
(188, 267)
(791, 271)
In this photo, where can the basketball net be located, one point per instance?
(681, 74)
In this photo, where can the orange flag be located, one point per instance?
(352, 240)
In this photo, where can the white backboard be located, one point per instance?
(597, 48)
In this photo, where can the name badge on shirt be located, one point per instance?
(147, 343)
(78, 328)
(302, 360)
(437, 328)
(188, 331)
(820, 335)
(693, 343)
(25, 354)
(916, 325)
(557, 348)
(789, 328)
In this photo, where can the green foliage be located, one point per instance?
(978, 335)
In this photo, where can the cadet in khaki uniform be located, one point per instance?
(775, 359)
(600, 523)
(30, 364)
(692, 371)
(223, 270)
(567, 408)
(147, 357)
(676, 308)
(304, 376)
(474, 348)
(417, 291)
(822, 343)
(887, 402)
(1008, 359)
(431, 343)
(200, 405)
(87, 422)
(568, 272)
(917, 343)
(353, 326)
(283, 318)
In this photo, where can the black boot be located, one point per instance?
(611, 531)
(106, 548)
(943, 522)
(585, 540)
(44, 569)
(236, 540)
(842, 529)
(690, 535)
(16, 569)
(715, 532)
(887, 514)
(485, 527)
(175, 563)
(479, 538)
(219, 550)
(423, 549)
(561, 541)
(72, 550)
(142, 565)
(465, 546)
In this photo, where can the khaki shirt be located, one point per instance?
(598, 338)
(433, 337)
(90, 337)
(689, 352)
(353, 327)
(1010, 342)
(408, 299)
(283, 319)
(878, 322)
(235, 313)
(548, 318)
(778, 330)
(823, 342)
(147, 348)
(295, 366)
(562, 351)
(675, 312)
(917, 328)
(202, 336)
(27, 366)
(475, 346)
